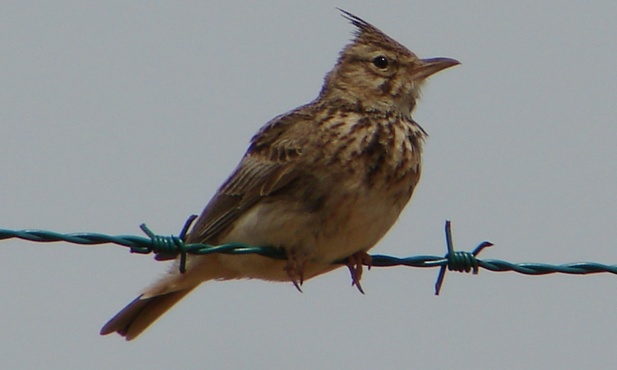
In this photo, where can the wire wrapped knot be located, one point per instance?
(462, 262)
(458, 261)
(168, 247)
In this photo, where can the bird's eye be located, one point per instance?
(381, 62)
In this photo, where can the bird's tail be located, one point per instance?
(138, 315)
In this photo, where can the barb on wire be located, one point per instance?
(170, 247)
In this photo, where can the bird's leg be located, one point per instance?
(295, 268)
(354, 264)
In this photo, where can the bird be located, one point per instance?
(323, 182)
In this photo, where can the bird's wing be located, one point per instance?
(249, 183)
(266, 169)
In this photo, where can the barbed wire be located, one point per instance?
(169, 247)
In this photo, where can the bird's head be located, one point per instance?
(379, 73)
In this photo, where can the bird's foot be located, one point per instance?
(354, 264)
(295, 269)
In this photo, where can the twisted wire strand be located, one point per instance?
(168, 247)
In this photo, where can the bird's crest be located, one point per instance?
(366, 33)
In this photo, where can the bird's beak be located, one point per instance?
(431, 66)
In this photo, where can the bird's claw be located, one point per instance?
(295, 270)
(354, 264)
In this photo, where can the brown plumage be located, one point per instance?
(325, 181)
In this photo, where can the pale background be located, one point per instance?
(127, 112)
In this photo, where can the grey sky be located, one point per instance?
(119, 113)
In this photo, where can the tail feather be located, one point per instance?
(138, 315)
(159, 297)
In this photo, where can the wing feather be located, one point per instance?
(266, 169)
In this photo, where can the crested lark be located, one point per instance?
(324, 181)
